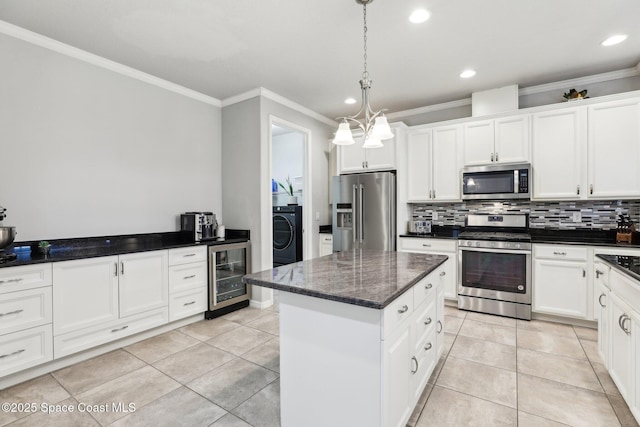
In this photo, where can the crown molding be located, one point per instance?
(266, 93)
(82, 55)
(429, 108)
(580, 81)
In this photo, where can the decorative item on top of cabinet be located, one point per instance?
(502, 140)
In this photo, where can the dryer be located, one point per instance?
(287, 235)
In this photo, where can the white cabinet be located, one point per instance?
(188, 281)
(354, 158)
(621, 362)
(449, 247)
(26, 337)
(326, 244)
(397, 355)
(95, 298)
(558, 154)
(503, 140)
(433, 164)
(614, 149)
(602, 308)
(560, 283)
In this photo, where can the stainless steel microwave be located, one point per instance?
(497, 182)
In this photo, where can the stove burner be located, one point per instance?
(4, 257)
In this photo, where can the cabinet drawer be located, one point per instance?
(94, 336)
(186, 255)
(188, 276)
(397, 312)
(560, 252)
(25, 309)
(409, 244)
(425, 361)
(425, 289)
(187, 303)
(24, 349)
(424, 324)
(25, 277)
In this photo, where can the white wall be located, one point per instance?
(85, 151)
(287, 160)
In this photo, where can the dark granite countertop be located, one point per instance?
(439, 232)
(325, 229)
(629, 265)
(91, 247)
(360, 277)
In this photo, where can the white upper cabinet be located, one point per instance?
(353, 158)
(504, 140)
(433, 164)
(558, 138)
(614, 149)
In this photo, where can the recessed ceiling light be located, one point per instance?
(350, 101)
(419, 16)
(618, 38)
(467, 74)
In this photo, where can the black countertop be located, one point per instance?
(629, 265)
(91, 247)
(363, 277)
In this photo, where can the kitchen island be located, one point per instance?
(360, 334)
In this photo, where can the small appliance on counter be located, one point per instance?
(7, 235)
(624, 232)
(420, 227)
(200, 225)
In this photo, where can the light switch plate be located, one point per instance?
(434, 217)
(577, 216)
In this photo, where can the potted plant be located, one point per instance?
(44, 247)
(293, 200)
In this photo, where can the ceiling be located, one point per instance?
(311, 52)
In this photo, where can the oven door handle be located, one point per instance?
(497, 250)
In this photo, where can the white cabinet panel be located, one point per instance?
(26, 348)
(398, 359)
(85, 293)
(558, 155)
(326, 244)
(560, 287)
(25, 277)
(512, 139)
(144, 282)
(188, 255)
(25, 309)
(188, 276)
(621, 358)
(478, 143)
(187, 303)
(419, 166)
(354, 158)
(446, 163)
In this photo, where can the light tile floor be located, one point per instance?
(225, 373)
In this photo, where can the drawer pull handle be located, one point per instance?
(428, 347)
(120, 329)
(444, 273)
(428, 286)
(413, 359)
(188, 255)
(426, 245)
(404, 309)
(600, 300)
(189, 303)
(439, 328)
(19, 279)
(560, 253)
(598, 273)
(11, 312)
(428, 321)
(12, 354)
(189, 277)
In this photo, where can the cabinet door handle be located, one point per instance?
(19, 279)
(413, 359)
(120, 329)
(189, 303)
(578, 189)
(2, 356)
(621, 321)
(560, 253)
(404, 309)
(600, 300)
(428, 346)
(591, 189)
(428, 321)
(428, 286)
(11, 312)
(189, 277)
(496, 156)
(584, 273)
(434, 194)
(491, 157)
(598, 273)
(115, 269)
(439, 327)
(444, 273)
(122, 267)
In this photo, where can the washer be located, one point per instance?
(287, 235)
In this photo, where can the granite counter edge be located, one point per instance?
(620, 268)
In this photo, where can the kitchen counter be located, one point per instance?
(438, 232)
(361, 277)
(629, 265)
(91, 247)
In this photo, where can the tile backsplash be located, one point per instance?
(597, 215)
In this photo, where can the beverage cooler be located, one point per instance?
(227, 265)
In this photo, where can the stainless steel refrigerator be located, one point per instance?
(364, 211)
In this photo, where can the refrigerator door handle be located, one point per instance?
(355, 214)
(361, 213)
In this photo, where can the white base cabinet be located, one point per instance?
(372, 372)
(326, 244)
(448, 280)
(188, 282)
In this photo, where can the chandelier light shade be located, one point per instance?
(373, 124)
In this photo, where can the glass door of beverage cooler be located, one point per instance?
(227, 265)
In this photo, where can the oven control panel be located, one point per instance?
(489, 244)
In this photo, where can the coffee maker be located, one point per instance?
(200, 225)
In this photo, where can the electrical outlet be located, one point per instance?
(317, 216)
(577, 216)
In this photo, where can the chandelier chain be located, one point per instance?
(365, 74)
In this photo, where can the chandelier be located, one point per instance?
(373, 124)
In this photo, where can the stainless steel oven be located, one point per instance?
(494, 268)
